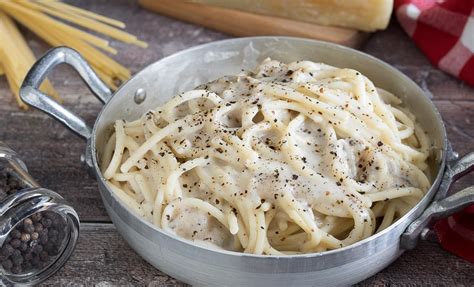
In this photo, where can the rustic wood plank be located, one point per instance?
(438, 85)
(395, 47)
(458, 118)
(52, 153)
(103, 257)
(427, 265)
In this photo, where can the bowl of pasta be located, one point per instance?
(265, 161)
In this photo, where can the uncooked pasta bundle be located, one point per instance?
(51, 20)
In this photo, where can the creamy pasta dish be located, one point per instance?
(287, 159)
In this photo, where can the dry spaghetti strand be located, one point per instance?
(50, 20)
(16, 58)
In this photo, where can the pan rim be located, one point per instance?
(403, 220)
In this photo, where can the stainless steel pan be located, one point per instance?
(183, 71)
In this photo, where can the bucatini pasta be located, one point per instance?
(292, 158)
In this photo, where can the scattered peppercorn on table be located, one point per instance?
(52, 153)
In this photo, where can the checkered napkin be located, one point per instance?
(444, 31)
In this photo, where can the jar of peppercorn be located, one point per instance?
(38, 229)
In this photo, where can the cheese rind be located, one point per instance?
(366, 15)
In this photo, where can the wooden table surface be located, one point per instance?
(102, 257)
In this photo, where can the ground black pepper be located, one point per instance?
(33, 243)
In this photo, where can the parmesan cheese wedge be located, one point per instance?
(365, 15)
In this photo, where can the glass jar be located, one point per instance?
(38, 229)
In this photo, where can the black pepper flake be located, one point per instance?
(380, 143)
(295, 177)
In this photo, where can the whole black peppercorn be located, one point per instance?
(25, 237)
(17, 258)
(28, 228)
(15, 243)
(27, 221)
(34, 235)
(7, 250)
(43, 239)
(38, 227)
(46, 222)
(28, 257)
(15, 233)
(44, 256)
(23, 246)
(7, 264)
(37, 249)
(36, 217)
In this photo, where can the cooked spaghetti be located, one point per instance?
(292, 158)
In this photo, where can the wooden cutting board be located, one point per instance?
(239, 23)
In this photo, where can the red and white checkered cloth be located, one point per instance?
(444, 31)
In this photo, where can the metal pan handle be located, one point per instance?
(30, 93)
(442, 206)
